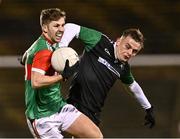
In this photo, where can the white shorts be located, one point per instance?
(51, 127)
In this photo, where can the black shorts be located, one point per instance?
(94, 116)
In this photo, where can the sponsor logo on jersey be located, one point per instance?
(104, 62)
(107, 51)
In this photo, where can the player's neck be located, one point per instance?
(47, 39)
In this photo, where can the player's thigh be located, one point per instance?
(84, 127)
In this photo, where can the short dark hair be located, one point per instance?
(135, 34)
(52, 14)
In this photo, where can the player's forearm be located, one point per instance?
(138, 93)
(71, 30)
(38, 80)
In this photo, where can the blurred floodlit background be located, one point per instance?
(157, 68)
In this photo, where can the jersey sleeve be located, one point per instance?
(70, 31)
(127, 77)
(42, 61)
(89, 37)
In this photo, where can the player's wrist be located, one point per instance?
(150, 109)
(64, 78)
(61, 78)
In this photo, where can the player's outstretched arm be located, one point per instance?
(138, 93)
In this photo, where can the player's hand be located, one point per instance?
(20, 60)
(150, 118)
(69, 71)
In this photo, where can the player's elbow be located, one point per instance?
(36, 80)
(35, 84)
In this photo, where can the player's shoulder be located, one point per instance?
(107, 38)
(39, 44)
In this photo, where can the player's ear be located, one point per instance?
(44, 28)
(118, 41)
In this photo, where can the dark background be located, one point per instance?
(122, 116)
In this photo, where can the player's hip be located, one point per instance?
(94, 115)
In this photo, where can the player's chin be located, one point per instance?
(57, 40)
(124, 60)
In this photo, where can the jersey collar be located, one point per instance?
(48, 40)
(51, 44)
(115, 50)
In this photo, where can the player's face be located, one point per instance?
(54, 30)
(126, 47)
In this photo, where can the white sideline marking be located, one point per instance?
(140, 60)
